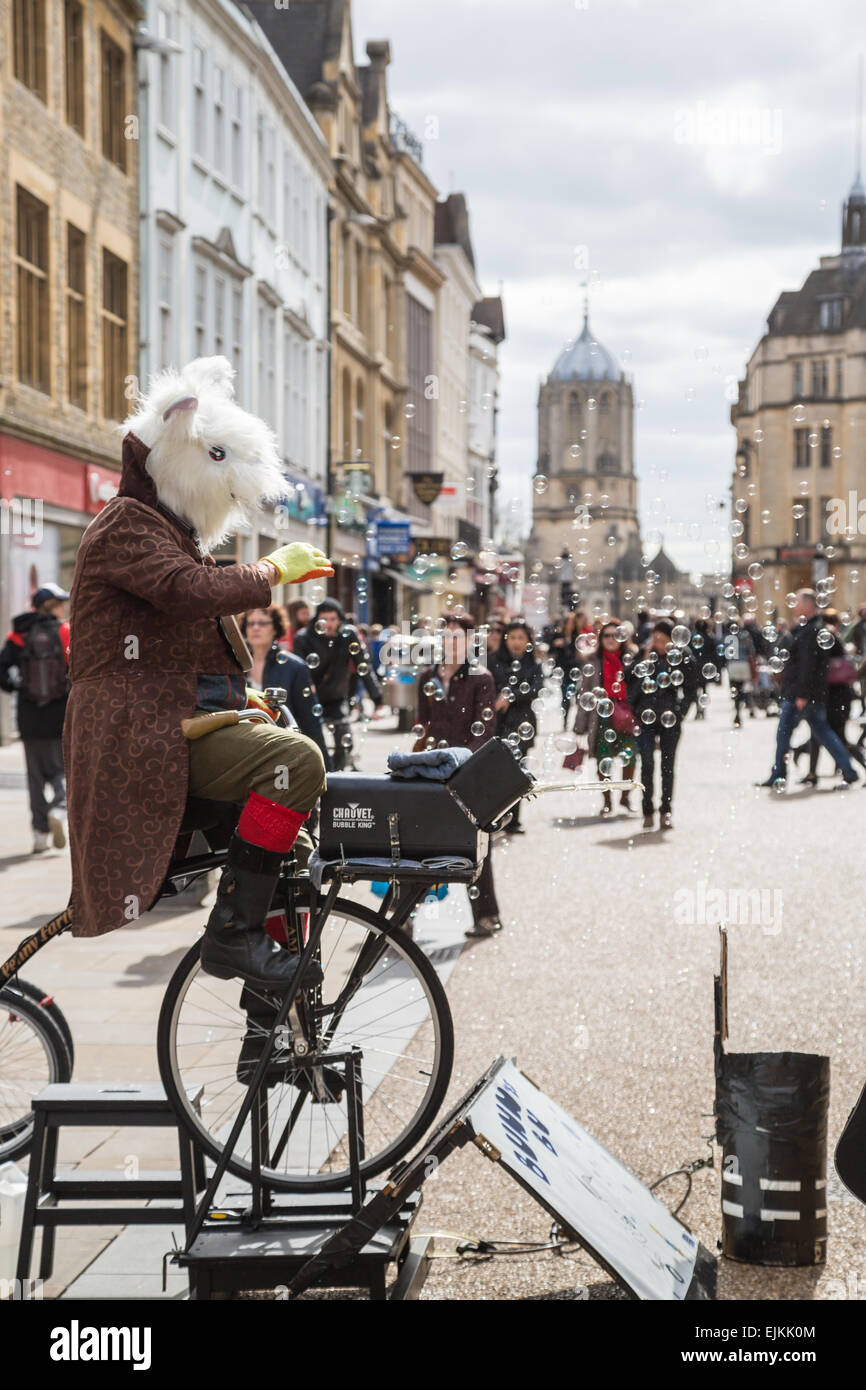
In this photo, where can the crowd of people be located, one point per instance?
(625, 689)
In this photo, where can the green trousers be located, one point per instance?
(280, 764)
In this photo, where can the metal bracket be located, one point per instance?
(489, 1150)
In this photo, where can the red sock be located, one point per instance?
(268, 824)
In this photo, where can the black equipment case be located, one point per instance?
(357, 818)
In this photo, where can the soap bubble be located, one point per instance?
(282, 657)
(825, 639)
(648, 716)
(525, 731)
(476, 729)
(668, 719)
(605, 708)
(681, 636)
(313, 660)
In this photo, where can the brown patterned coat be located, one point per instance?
(144, 624)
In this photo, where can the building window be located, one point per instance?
(219, 316)
(76, 317)
(113, 102)
(219, 120)
(604, 404)
(802, 524)
(359, 287)
(825, 518)
(819, 380)
(74, 64)
(798, 380)
(199, 311)
(165, 294)
(839, 377)
(267, 139)
(830, 313)
(267, 360)
(199, 103)
(28, 23)
(166, 114)
(237, 336)
(359, 419)
(33, 318)
(237, 169)
(115, 314)
(826, 446)
(346, 275)
(801, 448)
(607, 462)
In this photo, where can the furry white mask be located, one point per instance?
(213, 464)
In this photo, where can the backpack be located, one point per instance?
(43, 665)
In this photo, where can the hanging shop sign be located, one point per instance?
(427, 486)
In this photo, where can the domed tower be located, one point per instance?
(587, 510)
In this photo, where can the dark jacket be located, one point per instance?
(34, 721)
(470, 694)
(666, 695)
(805, 673)
(284, 669)
(336, 667)
(145, 619)
(520, 710)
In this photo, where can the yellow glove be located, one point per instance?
(296, 562)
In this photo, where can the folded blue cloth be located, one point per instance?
(436, 764)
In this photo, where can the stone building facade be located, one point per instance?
(585, 531)
(69, 144)
(799, 483)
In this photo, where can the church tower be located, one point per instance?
(585, 490)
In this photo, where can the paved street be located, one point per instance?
(600, 985)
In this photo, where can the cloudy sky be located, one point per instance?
(699, 149)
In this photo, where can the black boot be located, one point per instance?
(235, 944)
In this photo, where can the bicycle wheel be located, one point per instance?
(33, 1054)
(48, 1002)
(381, 994)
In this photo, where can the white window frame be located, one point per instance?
(199, 99)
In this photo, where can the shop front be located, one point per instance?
(47, 499)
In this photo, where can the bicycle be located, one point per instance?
(36, 1049)
(381, 1000)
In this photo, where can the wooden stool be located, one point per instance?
(107, 1105)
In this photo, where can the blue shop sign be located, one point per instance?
(391, 538)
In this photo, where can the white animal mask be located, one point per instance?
(213, 464)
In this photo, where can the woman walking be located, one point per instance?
(455, 708)
(274, 666)
(607, 719)
(841, 678)
(519, 680)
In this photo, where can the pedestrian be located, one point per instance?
(455, 710)
(563, 651)
(519, 680)
(34, 664)
(660, 688)
(299, 617)
(804, 692)
(741, 661)
(703, 648)
(493, 633)
(604, 714)
(273, 666)
(335, 653)
(841, 677)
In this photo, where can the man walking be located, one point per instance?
(34, 663)
(334, 651)
(804, 692)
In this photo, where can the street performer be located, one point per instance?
(153, 641)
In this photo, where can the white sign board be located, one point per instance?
(577, 1180)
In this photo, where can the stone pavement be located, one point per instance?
(600, 985)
